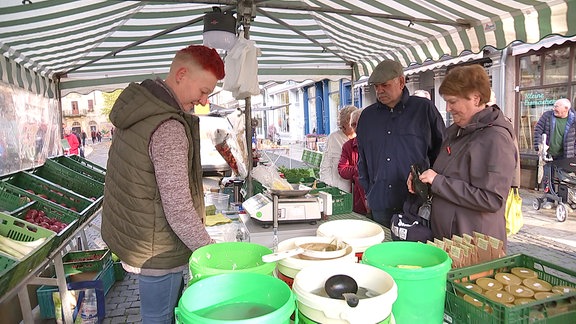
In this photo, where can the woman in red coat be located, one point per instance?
(73, 141)
(348, 168)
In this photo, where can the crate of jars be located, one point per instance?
(511, 290)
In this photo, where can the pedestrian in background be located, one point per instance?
(153, 207)
(559, 126)
(394, 133)
(348, 168)
(73, 141)
(83, 139)
(471, 177)
(331, 156)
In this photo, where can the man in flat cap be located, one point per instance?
(395, 132)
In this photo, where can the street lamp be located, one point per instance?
(219, 29)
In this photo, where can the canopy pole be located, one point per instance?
(246, 19)
(353, 66)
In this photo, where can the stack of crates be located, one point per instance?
(75, 263)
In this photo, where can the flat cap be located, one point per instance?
(385, 71)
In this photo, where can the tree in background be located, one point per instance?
(109, 100)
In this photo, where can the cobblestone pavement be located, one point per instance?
(542, 237)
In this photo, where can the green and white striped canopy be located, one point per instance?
(98, 44)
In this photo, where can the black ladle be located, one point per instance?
(342, 287)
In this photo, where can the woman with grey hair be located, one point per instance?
(329, 166)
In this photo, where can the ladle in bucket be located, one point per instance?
(343, 287)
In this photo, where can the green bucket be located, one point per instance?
(421, 291)
(242, 298)
(229, 257)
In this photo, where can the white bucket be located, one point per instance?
(359, 234)
(288, 268)
(320, 309)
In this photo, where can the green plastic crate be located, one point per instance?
(44, 293)
(341, 200)
(20, 230)
(82, 166)
(74, 263)
(119, 272)
(51, 210)
(45, 190)
(59, 174)
(550, 310)
(11, 199)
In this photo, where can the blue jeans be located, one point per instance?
(159, 296)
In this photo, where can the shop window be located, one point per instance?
(556, 66)
(533, 103)
(284, 113)
(530, 70)
(75, 110)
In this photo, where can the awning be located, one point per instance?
(443, 63)
(85, 45)
(545, 43)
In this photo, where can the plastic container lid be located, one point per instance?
(544, 294)
(537, 284)
(489, 284)
(519, 291)
(499, 296)
(473, 301)
(524, 273)
(563, 289)
(521, 301)
(473, 287)
(508, 279)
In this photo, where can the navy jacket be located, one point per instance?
(389, 141)
(546, 125)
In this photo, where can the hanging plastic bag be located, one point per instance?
(514, 218)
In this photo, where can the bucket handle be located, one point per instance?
(176, 314)
(296, 317)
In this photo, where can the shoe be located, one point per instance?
(547, 205)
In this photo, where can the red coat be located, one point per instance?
(348, 169)
(73, 142)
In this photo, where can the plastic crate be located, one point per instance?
(51, 210)
(82, 166)
(6, 265)
(556, 309)
(47, 191)
(119, 272)
(17, 229)
(44, 293)
(59, 174)
(341, 200)
(74, 263)
(11, 200)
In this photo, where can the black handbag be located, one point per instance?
(409, 226)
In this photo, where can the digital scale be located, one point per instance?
(290, 209)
